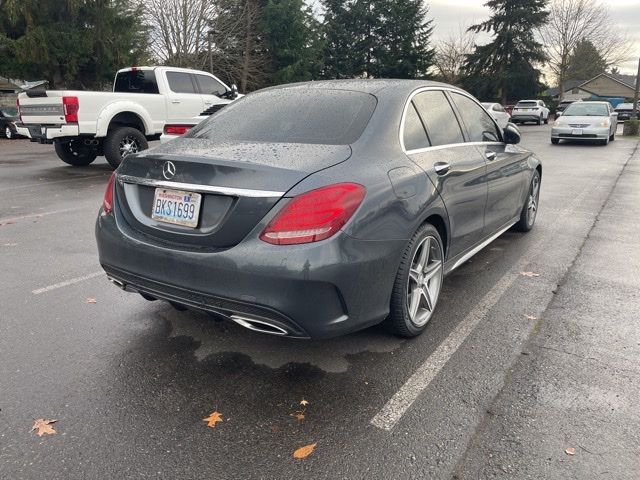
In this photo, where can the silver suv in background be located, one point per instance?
(530, 111)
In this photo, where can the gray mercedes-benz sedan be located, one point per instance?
(312, 210)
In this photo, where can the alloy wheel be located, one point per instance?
(8, 133)
(128, 145)
(425, 281)
(534, 196)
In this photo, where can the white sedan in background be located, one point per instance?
(498, 112)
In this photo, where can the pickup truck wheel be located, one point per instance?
(75, 152)
(121, 142)
(8, 133)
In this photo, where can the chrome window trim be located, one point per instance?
(440, 147)
(194, 187)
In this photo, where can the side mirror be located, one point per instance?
(558, 114)
(234, 91)
(511, 134)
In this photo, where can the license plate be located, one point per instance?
(177, 207)
(576, 131)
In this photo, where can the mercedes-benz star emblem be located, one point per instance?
(168, 170)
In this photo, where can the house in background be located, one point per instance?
(605, 86)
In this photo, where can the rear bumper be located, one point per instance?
(48, 133)
(311, 291)
(525, 117)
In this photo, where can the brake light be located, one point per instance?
(71, 106)
(176, 129)
(107, 202)
(19, 111)
(315, 215)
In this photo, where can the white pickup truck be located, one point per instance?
(145, 100)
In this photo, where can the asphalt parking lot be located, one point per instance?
(129, 381)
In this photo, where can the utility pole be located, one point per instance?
(636, 97)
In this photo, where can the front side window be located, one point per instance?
(438, 117)
(480, 125)
(210, 86)
(180, 82)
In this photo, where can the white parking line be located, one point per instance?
(38, 215)
(396, 407)
(66, 283)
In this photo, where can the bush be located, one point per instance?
(631, 128)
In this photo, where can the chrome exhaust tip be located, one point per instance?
(117, 283)
(259, 325)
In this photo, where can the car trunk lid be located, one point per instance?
(239, 183)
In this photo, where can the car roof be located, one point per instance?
(371, 86)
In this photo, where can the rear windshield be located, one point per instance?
(586, 110)
(10, 112)
(311, 115)
(527, 104)
(136, 81)
(625, 106)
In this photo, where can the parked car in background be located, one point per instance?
(625, 111)
(8, 119)
(562, 106)
(83, 125)
(586, 121)
(498, 112)
(530, 111)
(298, 196)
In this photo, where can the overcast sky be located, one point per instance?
(449, 15)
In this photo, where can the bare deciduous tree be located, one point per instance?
(451, 54)
(571, 21)
(179, 30)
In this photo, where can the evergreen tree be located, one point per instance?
(293, 42)
(72, 43)
(585, 62)
(376, 38)
(506, 68)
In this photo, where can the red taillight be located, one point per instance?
(107, 202)
(71, 106)
(176, 129)
(19, 112)
(315, 215)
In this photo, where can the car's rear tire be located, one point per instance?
(539, 121)
(546, 121)
(75, 152)
(555, 141)
(418, 283)
(529, 210)
(123, 141)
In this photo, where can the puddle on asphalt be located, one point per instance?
(274, 352)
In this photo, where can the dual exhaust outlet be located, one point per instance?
(251, 323)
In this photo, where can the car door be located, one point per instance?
(211, 89)
(456, 168)
(506, 165)
(183, 98)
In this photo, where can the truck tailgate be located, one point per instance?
(41, 110)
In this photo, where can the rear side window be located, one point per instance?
(136, 81)
(180, 82)
(480, 125)
(209, 85)
(300, 115)
(414, 135)
(438, 117)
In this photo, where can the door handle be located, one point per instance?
(441, 167)
(175, 101)
(491, 155)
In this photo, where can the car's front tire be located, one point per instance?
(75, 152)
(418, 283)
(530, 208)
(555, 141)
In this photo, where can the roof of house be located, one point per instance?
(568, 85)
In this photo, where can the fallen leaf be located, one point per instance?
(304, 452)
(275, 429)
(529, 274)
(298, 416)
(530, 317)
(570, 451)
(90, 300)
(43, 427)
(212, 419)
(304, 403)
